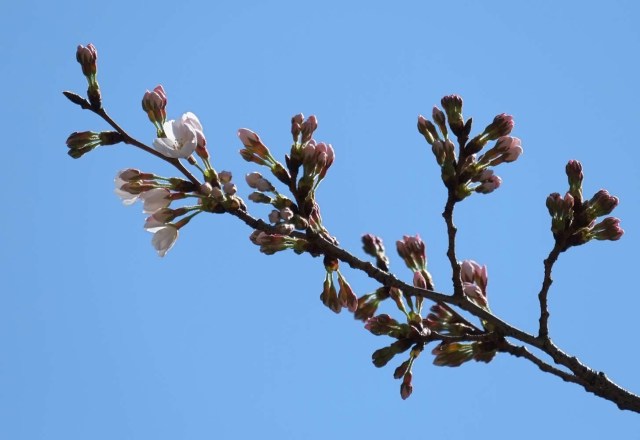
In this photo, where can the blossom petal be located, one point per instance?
(164, 239)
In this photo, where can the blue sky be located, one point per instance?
(101, 339)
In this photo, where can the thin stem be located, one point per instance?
(523, 352)
(451, 248)
(543, 332)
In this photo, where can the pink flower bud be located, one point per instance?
(501, 126)
(225, 176)
(308, 127)
(87, 57)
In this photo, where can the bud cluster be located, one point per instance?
(272, 243)
(454, 354)
(80, 143)
(310, 158)
(574, 220)
(463, 172)
(474, 282)
(336, 299)
(373, 246)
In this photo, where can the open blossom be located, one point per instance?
(164, 238)
(155, 199)
(182, 137)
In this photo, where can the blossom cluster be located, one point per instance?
(463, 172)
(574, 220)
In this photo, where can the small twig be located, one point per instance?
(543, 332)
(128, 139)
(451, 248)
(523, 352)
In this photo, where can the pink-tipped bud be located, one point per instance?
(489, 185)
(308, 127)
(608, 229)
(501, 126)
(296, 126)
(87, 57)
(154, 104)
(602, 203)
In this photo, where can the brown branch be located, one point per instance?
(451, 248)
(543, 332)
(592, 381)
(523, 352)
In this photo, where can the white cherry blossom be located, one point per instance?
(182, 137)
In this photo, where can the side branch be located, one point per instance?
(543, 332)
(451, 248)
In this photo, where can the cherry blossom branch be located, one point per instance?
(592, 381)
(573, 224)
(126, 138)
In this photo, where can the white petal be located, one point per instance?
(192, 120)
(155, 199)
(166, 147)
(164, 239)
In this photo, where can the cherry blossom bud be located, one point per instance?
(608, 229)
(412, 251)
(501, 126)
(87, 57)
(424, 130)
(258, 197)
(346, 296)
(329, 295)
(382, 356)
(284, 228)
(419, 281)
(489, 185)
(274, 216)
(296, 126)
(602, 203)
(439, 119)
(452, 105)
(308, 127)
(80, 143)
(575, 177)
(406, 388)
(452, 354)
(226, 176)
(367, 306)
(154, 104)
(205, 189)
(229, 188)
(438, 151)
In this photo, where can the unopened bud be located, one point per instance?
(501, 126)
(87, 57)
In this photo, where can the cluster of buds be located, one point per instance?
(313, 158)
(157, 193)
(336, 299)
(454, 354)
(412, 335)
(574, 220)
(444, 320)
(256, 151)
(463, 172)
(373, 246)
(412, 250)
(82, 142)
(474, 282)
(272, 243)
(88, 57)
